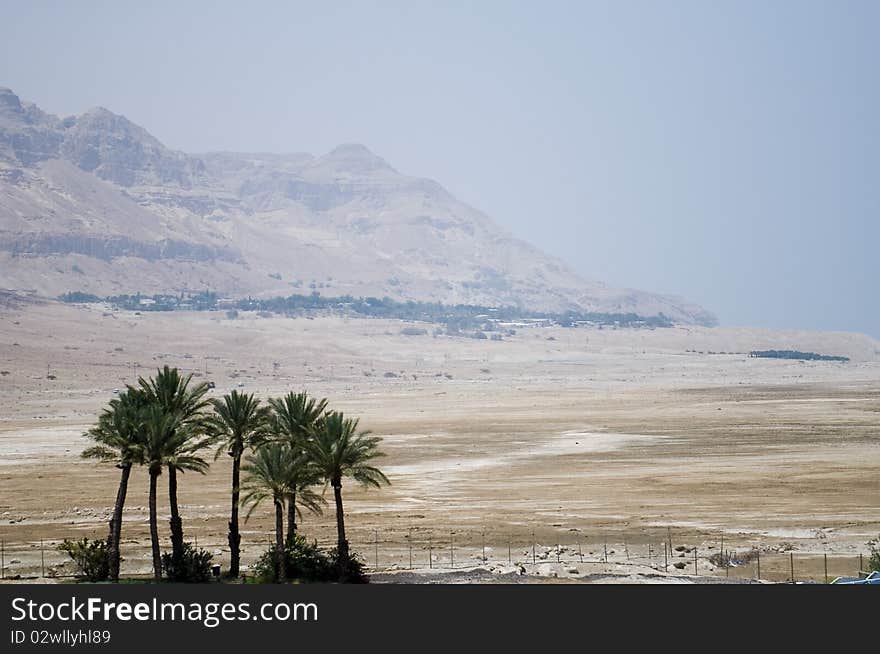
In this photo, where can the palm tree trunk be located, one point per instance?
(279, 539)
(234, 535)
(154, 529)
(116, 523)
(176, 523)
(291, 516)
(342, 545)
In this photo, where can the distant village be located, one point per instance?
(457, 320)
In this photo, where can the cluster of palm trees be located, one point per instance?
(287, 448)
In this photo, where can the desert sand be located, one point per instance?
(550, 444)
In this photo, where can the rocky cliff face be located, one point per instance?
(94, 202)
(27, 135)
(119, 151)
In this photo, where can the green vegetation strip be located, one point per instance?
(455, 317)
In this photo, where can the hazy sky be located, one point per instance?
(725, 151)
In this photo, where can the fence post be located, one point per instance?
(665, 559)
(759, 564)
(430, 553)
(483, 541)
(791, 559)
(376, 545)
(826, 567)
(605, 549)
(860, 564)
(410, 548)
(669, 538)
(533, 548)
(509, 555)
(580, 552)
(695, 561)
(557, 552)
(452, 549)
(626, 550)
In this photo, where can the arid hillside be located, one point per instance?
(94, 203)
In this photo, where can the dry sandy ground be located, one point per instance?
(592, 440)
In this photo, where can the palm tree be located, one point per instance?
(269, 477)
(304, 476)
(159, 434)
(239, 422)
(337, 449)
(166, 444)
(118, 439)
(296, 415)
(171, 393)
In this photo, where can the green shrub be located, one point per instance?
(355, 572)
(193, 566)
(305, 561)
(91, 558)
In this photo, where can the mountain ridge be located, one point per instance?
(95, 203)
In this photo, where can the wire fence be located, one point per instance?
(503, 552)
(582, 555)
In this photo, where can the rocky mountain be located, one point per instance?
(95, 203)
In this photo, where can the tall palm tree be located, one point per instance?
(239, 422)
(269, 477)
(304, 476)
(337, 449)
(118, 439)
(296, 415)
(182, 455)
(170, 392)
(166, 444)
(159, 434)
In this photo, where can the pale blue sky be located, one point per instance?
(725, 151)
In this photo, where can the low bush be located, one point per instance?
(355, 572)
(91, 558)
(729, 558)
(304, 561)
(193, 566)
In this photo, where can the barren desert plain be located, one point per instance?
(536, 457)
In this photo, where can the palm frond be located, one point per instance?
(337, 449)
(307, 498)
